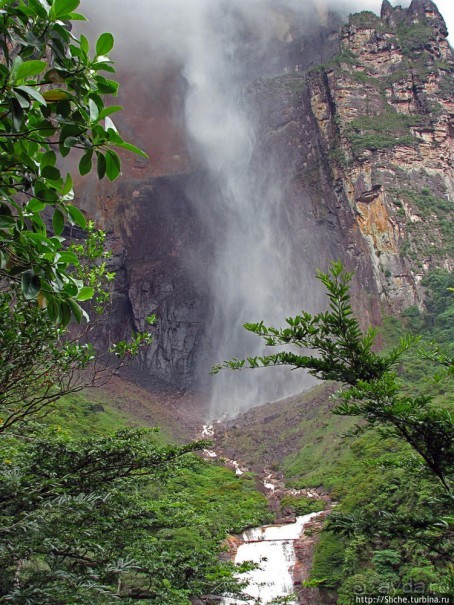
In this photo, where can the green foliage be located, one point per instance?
(51, 102)
(153, 515)
(86, 520)
(346, 56)
(77, 416)
(78, 525)
(376, 141)
(439, 304)
(39, 361)
(345, 354)
(382, 131)
(328, 559)
(414, 37)
(36, 367)
(229, 503)
(436, 212)
(385, 504)
(301, 505)
(393, 517)
(384, 499)
(365, 19)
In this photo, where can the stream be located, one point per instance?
(272, 548)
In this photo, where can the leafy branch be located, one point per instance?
(345, 354)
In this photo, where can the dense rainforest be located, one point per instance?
(106, 335)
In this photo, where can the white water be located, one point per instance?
(252, 276)
(272, 548)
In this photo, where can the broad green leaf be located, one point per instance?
(104, 66)
(104, 44)
(38, 224)
(41, 8)
(40, 240)
(58, 222)
(31, 284)
(6, 221)
(33, 93)
(71, 289)
(71, 130)
(28, 69)
(45, 128)
(101, 165)
(76, 17)
(65, 311)
(17, 114)
(53, 310)
(67, 187)
(84, 44)
(85, 293)
(107, 87)
(64, 151)
(76, 310)
(50, 172)
(71, 142)
(113, 165)
(35, 205)
(85, 162)
(61, 8)
(107, 111)
(48, 159)
(94, 111)
(24, 101)
(55, 95)
(68, 257)
(76, 215)
(132, 148)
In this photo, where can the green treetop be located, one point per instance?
(51, 102)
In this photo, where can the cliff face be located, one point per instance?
(384, 109)
(364, 144)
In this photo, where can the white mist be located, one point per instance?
(251, 273)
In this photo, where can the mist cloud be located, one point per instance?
(148, 31)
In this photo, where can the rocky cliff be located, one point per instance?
(364, 144)
(384, 109)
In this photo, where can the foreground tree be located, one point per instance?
(78, 524)
(345, 354)
(78, 520)
(51, 102)
(40, 360)
(395, 512)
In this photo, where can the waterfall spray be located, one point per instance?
(258, 271)
(252, 273)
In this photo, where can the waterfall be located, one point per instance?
(272, 549)
(252, 274)
(259, 266)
